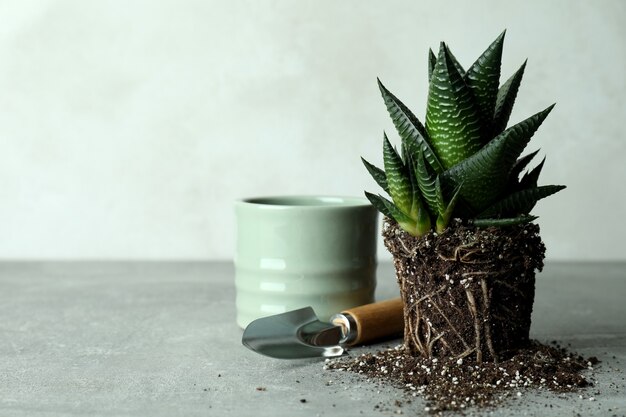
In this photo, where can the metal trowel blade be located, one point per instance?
(293, 335)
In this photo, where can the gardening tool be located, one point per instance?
(300, 334)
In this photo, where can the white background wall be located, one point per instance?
(127, 128)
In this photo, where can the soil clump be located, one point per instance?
(467, 292)
(468, 295)
(450, 384)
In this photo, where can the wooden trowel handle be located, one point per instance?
(384, 319)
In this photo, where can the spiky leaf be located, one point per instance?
(398, 181)
(445, 216)
(441, 203)
(483, 78)
(380, 203)
(530, 179)
(392, 211)
(423, 225)
(432, 61)
(485, 174)
(426, 183)
(378, 175)
(503, 222)
(404, 152)
(409, 128)
(452, 118)
(415, 191)
(455, 62)
(520, 164)
(520, 202)
(505, 100)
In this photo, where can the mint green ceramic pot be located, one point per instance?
(300, 251)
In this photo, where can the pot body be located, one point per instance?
(467, 293)
(300, 251)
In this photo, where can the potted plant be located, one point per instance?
(458, 223)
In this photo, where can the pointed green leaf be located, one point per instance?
(455, 198)
(418, 209)
(483, 78)
(416, 201)
(441, 203)
(520, 202)
(390, 210)
(378, 175)
(397, 178)
(505, 100)
(455, 62)
(443, 219)
(503, 222)
(404, 153)
(409, 128)
(423, 225)
(379, 202)
(520, 164)
(485, 175)
(426, 183)
(530, 179)
(452, 118)
(432, 60)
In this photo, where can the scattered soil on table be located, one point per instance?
(457, 384)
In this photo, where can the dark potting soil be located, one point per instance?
(449, 384)
(467, 292)
(468, 295)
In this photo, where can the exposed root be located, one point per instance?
(408, 253)
(432, 342)
(456, 255)
(487, 324)
(466, 292)
(477, 331)
(456, 332)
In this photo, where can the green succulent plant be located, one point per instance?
(462, 163)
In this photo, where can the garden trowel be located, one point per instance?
(300, 334)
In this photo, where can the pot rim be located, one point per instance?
(304, 202)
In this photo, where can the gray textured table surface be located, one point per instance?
(159, 339)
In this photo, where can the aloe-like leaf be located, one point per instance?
(452, 204)
(398, 181)
(483, 78)
(443, 219)
(418, 209)
(426, 183)
(520, 164)
(503, 222)
(416, 201)
(432, 60)
(505, 100)
(530, 179)
(485, 174)
(378, 175)
(380, 203)
(520, 202)
(390, 210)
(404, 153)
(452, 119)
(455, 62)
(423, 225)
(441, 204)
(410, 129)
